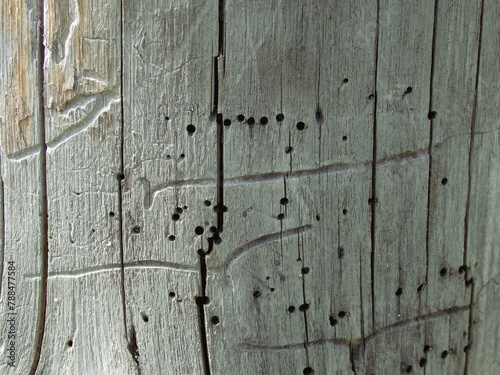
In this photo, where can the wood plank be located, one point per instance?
(83, 137)
(288, 269)
(170, 167)
(21, 181)
(484, 219)
(453, 89)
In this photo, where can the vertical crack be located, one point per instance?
(431, 131)
(373, 199)
(219, 208)
(44, 245)
(468, 278)
(2, 226)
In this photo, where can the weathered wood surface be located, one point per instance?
(240, 187)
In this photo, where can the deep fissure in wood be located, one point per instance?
(44, 245)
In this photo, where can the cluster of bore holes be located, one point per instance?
(302, 308)
(334, 321)
(181, 156)
(461, 270)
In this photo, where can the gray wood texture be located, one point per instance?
(242, 187)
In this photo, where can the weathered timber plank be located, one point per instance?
(23, 230)
(170, 168)
(452, 97)
(483, 255)
(288, 268)
(83, 137)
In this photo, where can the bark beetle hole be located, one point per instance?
(256, 294)
(399, 292)
(409, 369)
(144, 317)
(171, 237)
(69, 343)
(344, 212)
(409, 90)
(444, 181)
(227, 122)
(422, 362)
(308, 371)
(432, 115)
(251, 121)
(333, 321)
(240, 118)
(171, 294)
(136, 229)
(167, 118)
(199, 230)
(207, 203)
(111, 214)
(318, 217)
(427, 348)
(301, 126)
(461, 269)
(305, 270)
(264, 121)
(280, 117)
(340, 252)
(420, 287)
(304, 307)
(466, 348)
(169, 156)
(288, 149)
(291, 309)
(284, 201)
(214, 320)
(345, 80)
(442, 272)
(202, 300)
(175, 217)
(371, 96)
(344, 138)
(281, 216)
(183, 156)
(191, 129)
(468, 282)
(444, 353)
(342, 314)
(178, 210)
(272, 290)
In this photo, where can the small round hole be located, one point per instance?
(420, 287)
(175, 217)
(291, 309)
(272, 290)
(256, 294)
(432, 115)
(444, 181)
(442, 272)
(304, 307)
(240, 118)
(169, 156)
(333, 321)
(214, 320)
(111, 214)
(308, 371)
(342, 314)
(371, 96)
(145, 317)
(427, 348)
(69, 343)
(264, 121)
(199, 230)
(399, 292)
(318, 217)
(344, 212)
(251, 121)
(345, 80)
(167, 118)
(288, 149)
(280, 117)
(409, 369)
(305, 270)
(183, 156)
(340, 252)
(344, 138)
(136, 229)
(178, 210)
(461, 269)
(409, 90)
(207, 203)
(444, 354)
(202, 300)
(281, 216)
(301, 126)
(171, 294)
(284, 201)
(422, 362)
(171, 237)
(227, 122)
(191, 129)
